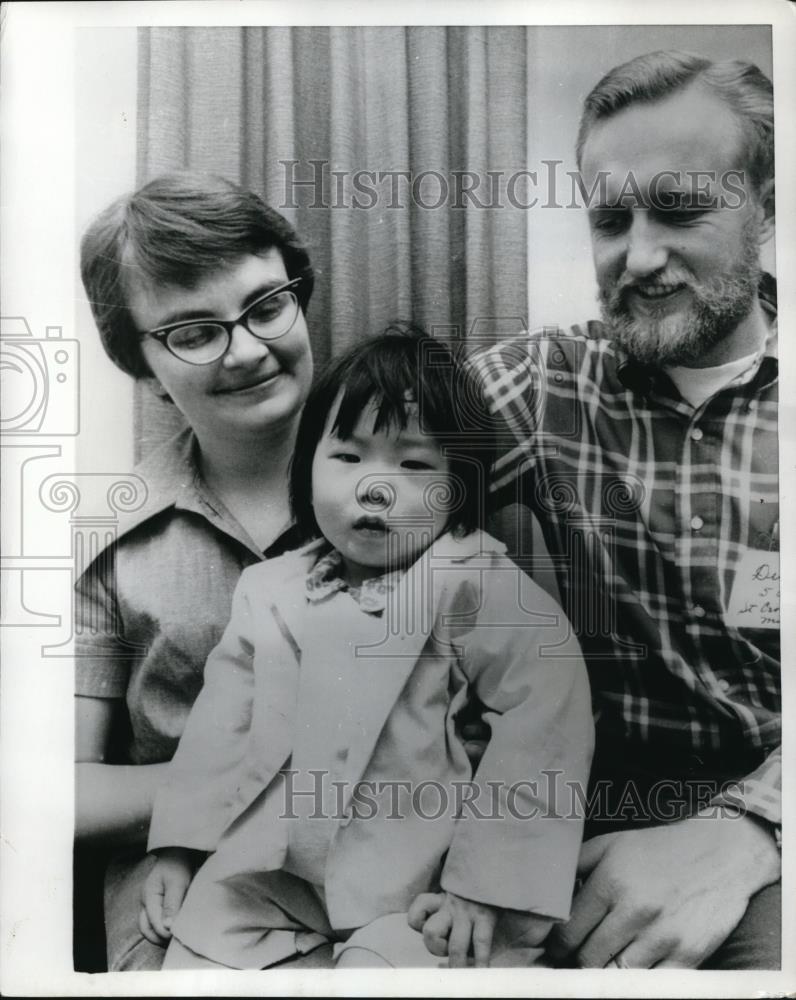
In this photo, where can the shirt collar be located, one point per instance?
(171, 478)
(325, 578)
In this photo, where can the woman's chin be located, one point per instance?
(263, 412)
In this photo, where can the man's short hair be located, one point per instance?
(745, 90)
(178, 229)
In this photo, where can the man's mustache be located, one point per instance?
(614, 296)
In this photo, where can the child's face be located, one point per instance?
(379, 497)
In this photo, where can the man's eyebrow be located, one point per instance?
(613, 206)
(186, 315)
(685, 199)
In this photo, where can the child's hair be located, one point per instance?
(402, 371)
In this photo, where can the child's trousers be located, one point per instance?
(260, 919)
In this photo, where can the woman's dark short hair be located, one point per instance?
(176, 230)
(402, 371)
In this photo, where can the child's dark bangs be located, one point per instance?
(391, 412)
(393, 381)
(384, 382)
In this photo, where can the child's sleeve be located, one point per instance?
(202, 788)
(524, 663)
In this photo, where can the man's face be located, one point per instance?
(677, 284)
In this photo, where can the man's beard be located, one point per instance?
(716, 309)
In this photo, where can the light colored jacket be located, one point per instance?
(463, 619)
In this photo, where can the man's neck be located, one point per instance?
(747, 338)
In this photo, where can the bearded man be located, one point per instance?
(646, 446)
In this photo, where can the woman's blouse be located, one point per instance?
(153, 604)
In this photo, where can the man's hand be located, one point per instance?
(164, 891)
(455, 927)
(666, 896)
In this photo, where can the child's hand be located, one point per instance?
(455, 927)
(164, 891)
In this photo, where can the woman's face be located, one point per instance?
(256, 385)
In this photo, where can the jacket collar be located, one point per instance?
(410, 616)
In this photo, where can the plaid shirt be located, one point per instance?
(647, 506)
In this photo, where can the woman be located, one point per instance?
(184, 249)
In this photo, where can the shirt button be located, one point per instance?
(750, 407)
(696, 434)
(697, 522)
(724, 685)
(699, 611)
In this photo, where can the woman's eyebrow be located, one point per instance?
(263, 289)
(183, 314)
(186, 315)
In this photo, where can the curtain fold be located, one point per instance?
(377, 143)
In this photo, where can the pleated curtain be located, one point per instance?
(270, 107)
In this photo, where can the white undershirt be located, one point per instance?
(698, 384)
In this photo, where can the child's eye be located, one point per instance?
(345, 456)
(416, 465)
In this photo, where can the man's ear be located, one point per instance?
(765, 208)
(156, 387)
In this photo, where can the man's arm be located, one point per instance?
(759, 793)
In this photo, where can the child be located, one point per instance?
(321, 764)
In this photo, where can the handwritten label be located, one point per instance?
(754, 602)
